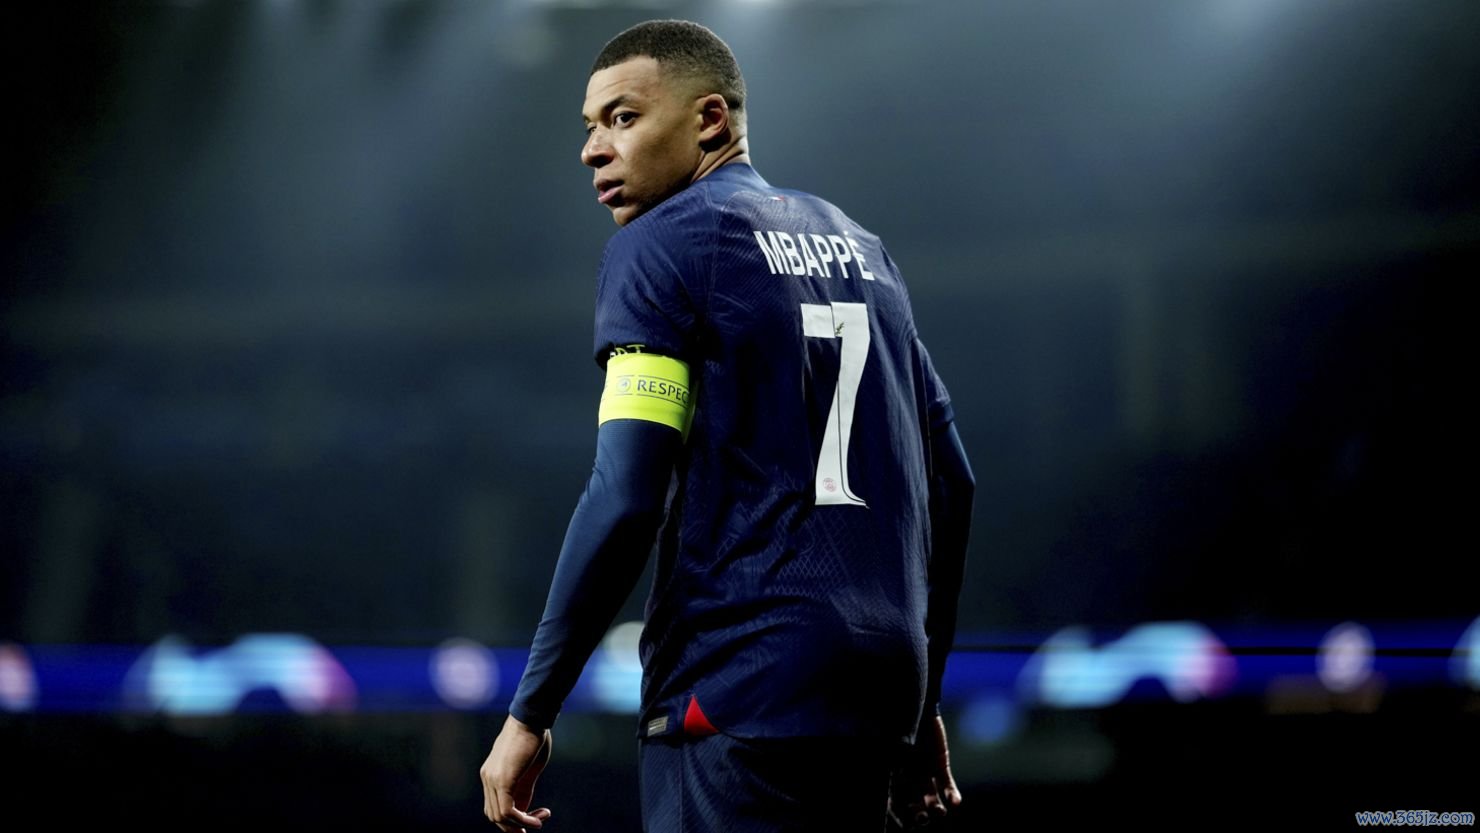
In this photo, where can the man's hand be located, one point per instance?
(513, 765)
(924, 790)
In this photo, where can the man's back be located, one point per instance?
(791, 587)
(760, 345)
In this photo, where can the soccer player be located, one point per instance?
(761, 359)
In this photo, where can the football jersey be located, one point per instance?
(790, 590)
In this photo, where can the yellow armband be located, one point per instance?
(647, 386)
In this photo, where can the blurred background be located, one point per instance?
(297, 393)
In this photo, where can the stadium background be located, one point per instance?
(297, 393)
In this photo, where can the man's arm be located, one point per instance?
(606, 546)
(952, 490)
(641, 434)
(926, 789)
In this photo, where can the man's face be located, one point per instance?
(642, 136)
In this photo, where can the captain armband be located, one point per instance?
(648, 387)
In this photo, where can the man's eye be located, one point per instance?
(624, 118)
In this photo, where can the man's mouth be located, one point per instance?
(606, 191)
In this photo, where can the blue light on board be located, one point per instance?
(1078, 667)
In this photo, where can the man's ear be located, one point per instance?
(715, 125)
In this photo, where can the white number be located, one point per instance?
(847, 322)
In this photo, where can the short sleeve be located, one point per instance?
(937, 400)
(644, 288)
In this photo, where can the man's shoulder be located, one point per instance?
(732, 190)
(676, 220)
(752, 199)
(707, 199)
(685, 220)
(681, 232)
(673, 237)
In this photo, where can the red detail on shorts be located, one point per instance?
(694, 721)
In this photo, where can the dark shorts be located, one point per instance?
(720, 784)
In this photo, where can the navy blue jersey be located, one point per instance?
(791, 586)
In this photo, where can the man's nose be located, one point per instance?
(596, 152)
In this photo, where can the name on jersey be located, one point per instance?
(807, 255)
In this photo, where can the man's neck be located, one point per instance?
(737, 151)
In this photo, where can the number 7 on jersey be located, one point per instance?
(847, 322)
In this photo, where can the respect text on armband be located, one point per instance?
(652, 386)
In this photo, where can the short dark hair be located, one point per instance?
(683, 47)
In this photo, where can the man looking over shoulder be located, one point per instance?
(759, 350)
